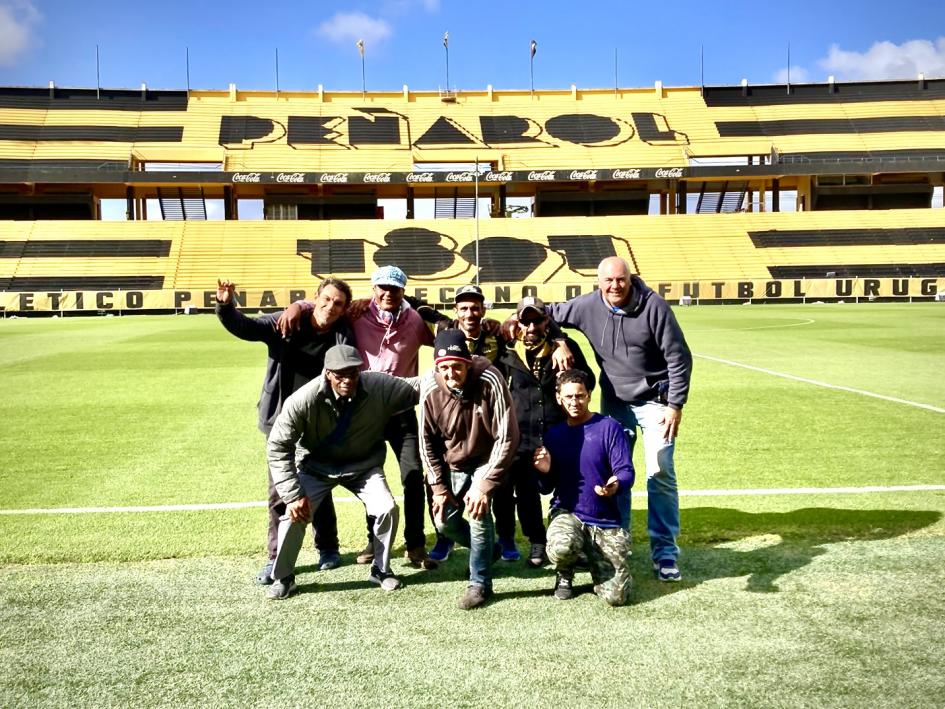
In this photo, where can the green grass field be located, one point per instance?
(827, 599)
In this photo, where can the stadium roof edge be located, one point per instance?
(916, 83)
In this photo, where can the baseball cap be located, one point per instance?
(389, 276)
(530, 302)
(342, 357)
(469, 292)
(450, 345)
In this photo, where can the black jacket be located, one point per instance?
(536, 408)
(292, 363)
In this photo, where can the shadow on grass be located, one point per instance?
(727, 543)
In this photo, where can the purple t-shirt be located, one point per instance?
(582, 457)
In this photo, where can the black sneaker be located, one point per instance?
(387, 581)
(328, 560)
(537, 556)
(264, 577)
(564, 586)
(283, 588)
(474, 596)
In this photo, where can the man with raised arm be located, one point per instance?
(586, 462)
(468, 436)
(330, 433)
(293, 361)
(645, 371)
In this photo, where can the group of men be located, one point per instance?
(498, 426)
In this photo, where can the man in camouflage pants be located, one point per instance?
(585, 461)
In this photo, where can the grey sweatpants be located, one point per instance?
(369, 487)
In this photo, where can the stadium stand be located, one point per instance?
(607, 172)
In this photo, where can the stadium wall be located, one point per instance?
(65, 266)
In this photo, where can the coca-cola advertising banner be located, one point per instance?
(460, 177)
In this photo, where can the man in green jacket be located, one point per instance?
(330, 433)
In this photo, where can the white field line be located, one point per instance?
(641, 494)
(826, 385)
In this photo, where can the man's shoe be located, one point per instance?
(474, 596)
(441, 550)
(264, 577)
(283, 588)
(328, 560)
(564, 586)
(508, 550)
(366, 556)
(537, 556)
(418, 558)
(387, 581)
(667, 570)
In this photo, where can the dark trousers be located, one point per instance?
(324, 523)
(519, 490)
(402, 432)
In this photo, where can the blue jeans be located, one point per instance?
(477, 535)
(662, 493)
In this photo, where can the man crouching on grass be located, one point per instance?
(329, 433)
(468, 437)
(585, 461)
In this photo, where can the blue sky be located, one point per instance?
(235, 42)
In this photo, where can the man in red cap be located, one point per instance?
(468, 437)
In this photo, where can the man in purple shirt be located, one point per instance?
(586, 461)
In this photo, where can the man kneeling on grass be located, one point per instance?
(585, 461)
(334, 427)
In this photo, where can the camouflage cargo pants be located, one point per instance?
(607, 551)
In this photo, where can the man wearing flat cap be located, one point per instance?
(330, 433)
(468, 436)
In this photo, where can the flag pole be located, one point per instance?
(360, 45)
(446, 46)
(533, 47)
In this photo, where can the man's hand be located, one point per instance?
(477, 502)
(510, 328)
(358, 308)
(299, 511)
(439, 504)
(542, 460)
(491, 327)
(671, 419)
(225, 291)
(562, 359)
(288, 322)
(608, 490)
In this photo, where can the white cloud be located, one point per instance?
(798, 75)
(885, 60)
(18, 19)
(346, 27)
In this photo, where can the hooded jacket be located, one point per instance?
(476, 431)
(640, 348)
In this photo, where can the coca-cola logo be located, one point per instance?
(584, 174)
(543, 176)
(246, 177)
(333, 177)
(377, 177)
(290, 177)
(671, 172)
(460, 177)
(420, 177)
(498, 177)
(633, 174)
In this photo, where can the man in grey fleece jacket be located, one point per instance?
(645, 371)
(329, 433)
